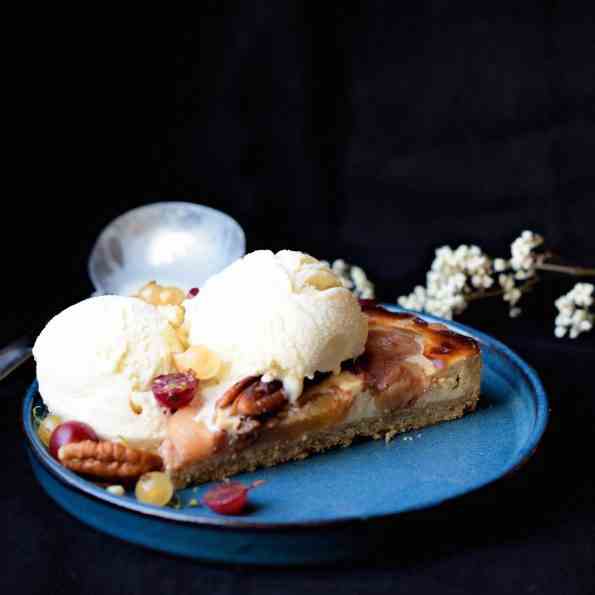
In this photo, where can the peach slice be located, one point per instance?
(191, 439)
(321, 406)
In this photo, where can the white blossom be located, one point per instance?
(500, 265)
(506, 281)
(458, 275)
(574, 316)
(339, 266)
(511, 294)
(353, 277)
(452, 276)
(523, 260)
(416, 300)
(521, 267)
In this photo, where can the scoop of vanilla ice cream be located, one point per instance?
(284, 316)
(97, 357)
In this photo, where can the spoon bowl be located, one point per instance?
(173, 243)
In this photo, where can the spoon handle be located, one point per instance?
(13, 355)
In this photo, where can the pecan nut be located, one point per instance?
(260, 398)
(232, 393)
(253, 397)
(108, 460)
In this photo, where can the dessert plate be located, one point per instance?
(321, 509)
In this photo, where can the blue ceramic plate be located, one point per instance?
(319, 509)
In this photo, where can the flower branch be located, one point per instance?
(524, 288)
(466, 274)
(568, 270)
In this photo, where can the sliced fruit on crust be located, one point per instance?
(412, 374)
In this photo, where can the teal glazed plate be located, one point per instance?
(322, 509)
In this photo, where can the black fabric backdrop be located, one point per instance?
(371, 134)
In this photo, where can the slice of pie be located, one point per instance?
(412, 374)
(273, 360)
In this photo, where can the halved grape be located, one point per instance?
(229, 498)
(70, 431)
(175, 390)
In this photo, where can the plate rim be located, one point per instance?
(73, 481)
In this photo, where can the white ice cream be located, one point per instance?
(99, 355)
(284, 316)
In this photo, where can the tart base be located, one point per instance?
(271, 454)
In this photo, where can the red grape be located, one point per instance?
(192, 293)
(228, 498)
(70, 431)
(175, 390)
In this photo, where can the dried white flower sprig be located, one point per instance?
(522, 266)
(454, 276)
(353, 277)
(460, 276)
(574, 315)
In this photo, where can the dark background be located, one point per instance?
(372, 134)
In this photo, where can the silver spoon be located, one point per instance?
(174, 243)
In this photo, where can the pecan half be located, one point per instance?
(260, 398)
(232, 393)
(108, 460)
